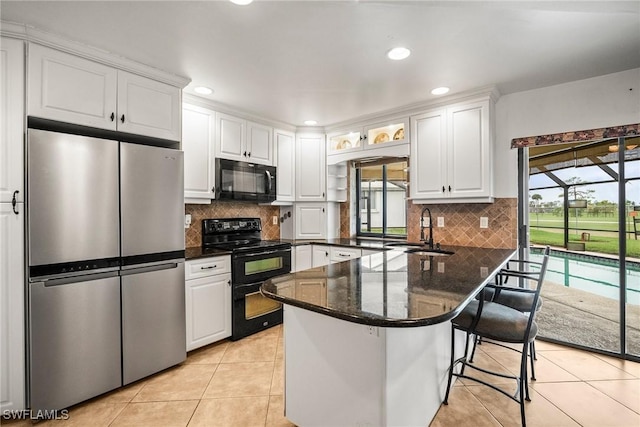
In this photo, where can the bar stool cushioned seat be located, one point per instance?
(498, 322)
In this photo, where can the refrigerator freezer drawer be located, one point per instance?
(75, 341)
(153, 325)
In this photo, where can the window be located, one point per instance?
(382, 198)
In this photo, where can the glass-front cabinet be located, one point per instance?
(379, 138)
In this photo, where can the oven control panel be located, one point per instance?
(231, 225)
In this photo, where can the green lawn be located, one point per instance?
(609, 223)
(606, 245)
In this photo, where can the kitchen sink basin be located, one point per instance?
(403, 245)
(428, 252)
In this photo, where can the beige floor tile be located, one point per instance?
(185, 382)
(538, 412)
(587, 405)
(275, 414)
(93, 413)
(280, 348)
(626, 392)
(262, 349)
(273, 331)
(240, 379)
(489, 348)
(154, 414)
(211, 354)
(277, 381)
(123, 394)
(231, 412)
(546, 371)
(549, 346)
(463, 410)
(585, 365)
(485, 361)
(628, 366)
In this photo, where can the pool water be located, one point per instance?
(590, 273)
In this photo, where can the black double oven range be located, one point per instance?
(253, 261)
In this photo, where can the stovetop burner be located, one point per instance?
(236, 234)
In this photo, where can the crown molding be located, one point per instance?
(220, 107)
(35, 35)
(490, 92)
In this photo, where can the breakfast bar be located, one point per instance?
(367, 341)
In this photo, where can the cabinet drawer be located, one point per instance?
(207, 267)
(339, 254)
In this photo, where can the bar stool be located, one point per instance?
(502, 324)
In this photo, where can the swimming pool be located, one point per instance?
(591, 273)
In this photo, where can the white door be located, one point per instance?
(12, 283)
(230, 137)
(310, 168)
(11, 120)
(259, 144)
(208, 308)
(311, 220)
(198, 134)
(285, 154)
(304, 257)
(71, 89)
(428, 155)
(321, 256)
(148, 107)
(469, 173)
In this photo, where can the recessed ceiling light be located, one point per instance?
(440, 90)
(203, 90)
(241, 2)
(310, 122)
(398, 53)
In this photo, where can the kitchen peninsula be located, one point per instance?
(367, 341)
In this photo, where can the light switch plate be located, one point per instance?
(484, 222)
(440, 221)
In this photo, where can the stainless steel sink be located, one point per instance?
(428, 252)
(403, 245)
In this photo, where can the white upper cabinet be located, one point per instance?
(241, 140)
(76, 90)
(451, 154)
(198, 144)
(284, 144)
(311, 168)
(148, 107)
(11, 120)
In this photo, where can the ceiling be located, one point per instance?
(296, 60)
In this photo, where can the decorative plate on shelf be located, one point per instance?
(343, 145)
(399, 134)
(382, 137)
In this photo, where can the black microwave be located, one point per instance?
(245, 181)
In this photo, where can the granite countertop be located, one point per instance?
(392, 288)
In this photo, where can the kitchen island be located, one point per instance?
(367, 341)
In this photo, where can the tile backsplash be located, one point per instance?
(225, 209)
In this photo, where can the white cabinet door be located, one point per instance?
(198, 144)
(284, 143)
(304, 257)
(469, 167)
(310, 168)
(428, 155)
(71, 89)
(230, 137)
(321, 255)
(208, 308)
(311, 220)
(11, 120)
(259, 144)
(339, 254)
(12, 333)
(148, 107)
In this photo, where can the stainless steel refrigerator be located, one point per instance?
(106, 265)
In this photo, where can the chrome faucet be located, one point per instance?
(428, 242)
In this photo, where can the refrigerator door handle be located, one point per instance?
(136, 269)
(76, 279)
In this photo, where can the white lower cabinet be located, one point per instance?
(320, 255)
(303, 258)
(208, 300)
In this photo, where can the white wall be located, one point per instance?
(598, 102)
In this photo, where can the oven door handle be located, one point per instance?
(251, 255)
